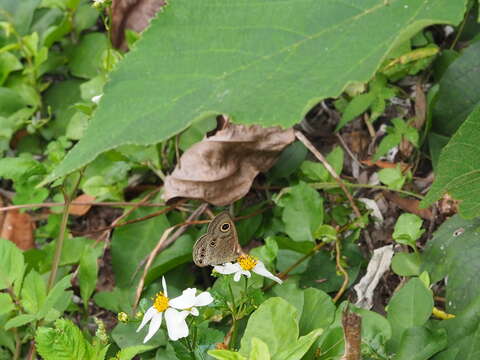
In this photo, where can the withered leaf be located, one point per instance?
(131, 14)
(220, 169)
(18, 228)
(77, 208)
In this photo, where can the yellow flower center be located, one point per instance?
(161, 302)
(247, 262)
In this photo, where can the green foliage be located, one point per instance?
(66, 342)
(409, 308)
(189, 86)
(393, 178)
(452, 252)
(315, 171)
(302, 212)
(408, 230)
(374, 99)
(458, 170)
(400, 130)
(12, 266)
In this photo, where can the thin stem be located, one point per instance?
(328, 185)
(233, 338)
(18, 344)
(338, 258)
(330, 169)
(61, 235)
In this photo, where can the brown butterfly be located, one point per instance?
(219, 245)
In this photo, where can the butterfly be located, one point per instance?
(220, 244)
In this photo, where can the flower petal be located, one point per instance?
(154, 326)
(203, 299)
(227, 268)
(237, 276)
(260, 269)
(164, 285)
(146, 318)
(194, 311)
(176, 325)
(184, 301)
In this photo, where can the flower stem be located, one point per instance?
(233, 338)
(61, 236)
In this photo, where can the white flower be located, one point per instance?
(176, 325)
(244, 264)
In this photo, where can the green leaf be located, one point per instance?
(145, 235)
(356, 107)
(376, 331)
(302, 212)
(259, 350)
(463, 334)
(34, 292)
(86, 60)
(130, 352)
(387, 143)
(411, 306)
(406, 264)
(319, 303)
(19, 320)
(393, 178)
(6, 304)
(64, 342)
(11, 265)
(178, 253)
(301, 347)
(275, 323)
(226, 355)
(289, 161)
(315, 171)
(419, 343)
(458, 170)
(87, 274)
(458, 94)
(21, 12)
(453, 251)
(408, 230)
(248, 76)
(56, 298)
(323, 266)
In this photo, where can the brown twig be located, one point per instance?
(133, 221)
(338, 258)
(92, 203)
(162, 244)
(352, 332)
(329, 168)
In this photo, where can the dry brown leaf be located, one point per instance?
(78, 209)
(220, 169)
(18, 228)
(447, 205)
(410, 205)
(133, 15)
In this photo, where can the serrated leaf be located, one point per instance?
(458, 170)
(64, 342)
(55, 296)
(34, 292)
(239, 73)
(6, 304)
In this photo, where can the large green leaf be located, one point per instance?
(410, 307)
(133, 243)
(459, 92)
(263, 61)
(458, 170)
(454, 251)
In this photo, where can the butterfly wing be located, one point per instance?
(219, 245)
